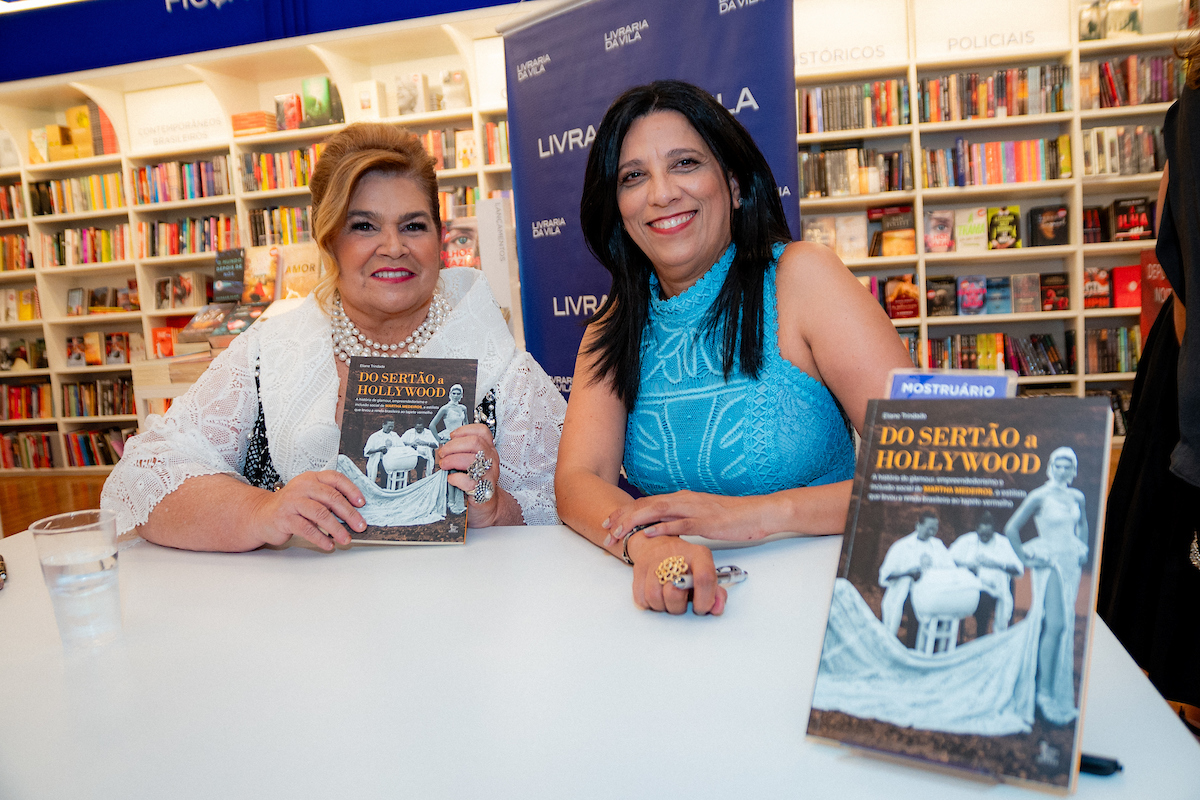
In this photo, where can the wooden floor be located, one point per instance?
(28, 498)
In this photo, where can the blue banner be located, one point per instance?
(566, 68)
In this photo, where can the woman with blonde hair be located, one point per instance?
(247, 456)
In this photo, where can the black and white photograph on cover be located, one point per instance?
(396, 412)
(958, 629)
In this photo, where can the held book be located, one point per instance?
(398, 412)
(958, 634)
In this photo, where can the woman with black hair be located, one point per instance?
(726, 366)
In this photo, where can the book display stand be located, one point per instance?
(244, 190)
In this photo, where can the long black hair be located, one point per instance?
(736, 316)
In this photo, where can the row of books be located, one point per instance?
(77, 195)
(27, 401)
(1035, 354)
(287, 170)
(20, 355)
(968, 295)
(1129, 81)
(1118, 287)
(1114, 349)
(12, 202)
(1005, 93)
(836, 172)
(101, 398)
(317, 103)
(1018, 161)
(180, 180)
(103, 299)
(450, 148)
(1124, 220)
(458, 203)
(20, 305)
(912, 341)
(96, 448)
(96, 348)
(843, 107)
(74, 246)
(1120, 400)
(15, 252)
(1123, 150)
(496, 136)
(185, 236)
(278, 225)
(88, 132)
(186, 290)
(26, 450)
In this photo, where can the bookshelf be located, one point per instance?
(893, 35)
(220, 83)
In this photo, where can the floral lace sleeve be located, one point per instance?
(530, 414)
(203, 433)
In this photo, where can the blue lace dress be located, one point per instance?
(692, 429)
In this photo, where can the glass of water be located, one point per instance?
(78, 553)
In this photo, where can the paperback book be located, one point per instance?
(972, 295)
(961, 615)
(901, 296)
(1048, 226)
(970, 230)
(941, 296)
(999, 296)
(1004, 227)
(1097, 288)
(1026, 292)
(939, 231)
(1056, 291)
(398, 411)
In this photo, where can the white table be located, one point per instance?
(516, 666)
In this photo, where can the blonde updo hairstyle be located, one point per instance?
(359, 149)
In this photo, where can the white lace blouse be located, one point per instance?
(205, 431)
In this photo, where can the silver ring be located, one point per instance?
(484, 491)
(480, 466)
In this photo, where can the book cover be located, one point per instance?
(851, 236)
(1127, 286)
(822, 230)
(75, 302)
(93, 348)
(941, 295)
(1026, 292)
(137, 347)
(162, 293)
(465, 149)
(300, 268)
(1131, 219)
(234, 323)
(899, 235)
(1004, 227)
(230, 271)
(261, 274)
(1155, 291)
(205, 321)
(940, 645)
(368, 99)
(412, 93)
(397, 412)
(76, 352)
(316, 101)
(460, 242)
(901, 297)
(1097, 288)
(970, 230)
(939, 231)
(999, 296)
(116, 348)
(455, 92)
(1056, 291)
(972, 294)
(289, 112)
(1048, 226)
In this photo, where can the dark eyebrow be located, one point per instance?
(671, 154)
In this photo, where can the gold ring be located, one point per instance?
(670, 569)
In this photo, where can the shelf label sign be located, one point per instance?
(174, 118)
(952, 29)
(565, 68)
(850, 35)
(961, 384)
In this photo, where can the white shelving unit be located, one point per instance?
(1075, 192)
(239, 79)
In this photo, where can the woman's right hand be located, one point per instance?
(306, 507)
(647, 553)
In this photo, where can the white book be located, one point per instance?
(970, 230)
(851, 236)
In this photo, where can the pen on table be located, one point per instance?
(1099, 765)
(726, 576)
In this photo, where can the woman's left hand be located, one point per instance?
(690, 514)
(459, 453)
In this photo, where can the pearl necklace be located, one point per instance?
(349, 341)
